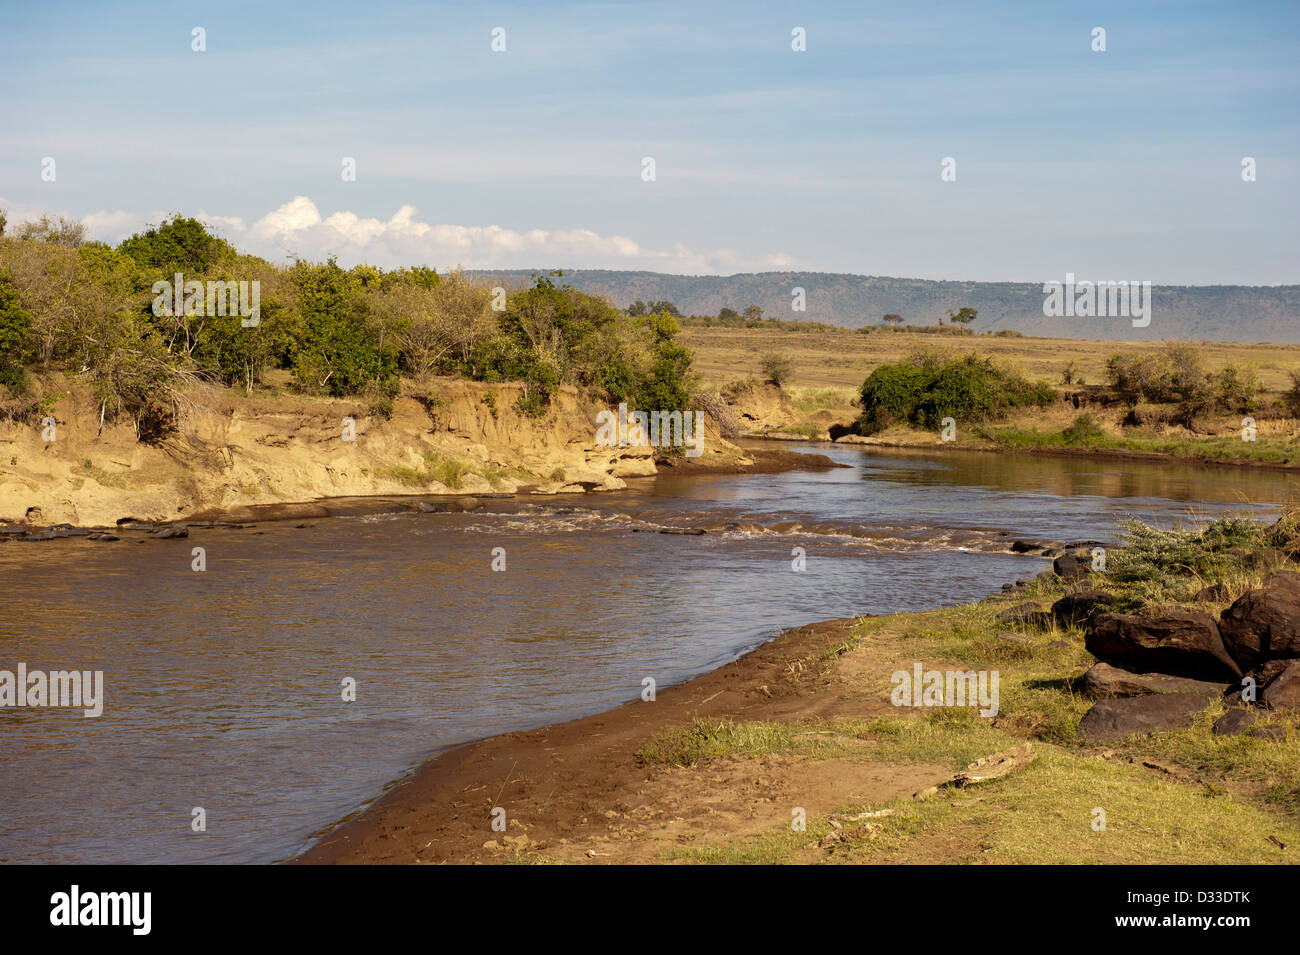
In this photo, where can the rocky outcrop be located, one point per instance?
(1264, 624)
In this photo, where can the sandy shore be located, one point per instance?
(578, 792)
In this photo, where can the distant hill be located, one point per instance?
(1241, 313)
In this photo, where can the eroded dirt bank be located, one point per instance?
(232, 452)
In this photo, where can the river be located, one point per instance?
(223, 688)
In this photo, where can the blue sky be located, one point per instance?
(1122, 164)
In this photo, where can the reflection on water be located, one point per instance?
(223, 689)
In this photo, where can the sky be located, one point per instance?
(1122, 164)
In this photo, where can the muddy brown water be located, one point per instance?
(223, 689)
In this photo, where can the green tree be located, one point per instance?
(963, 316)
(340, 353)
(15, 337)
(178, 244)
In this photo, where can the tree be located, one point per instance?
(15, 337)
(728, 315)
(776, 368)
(62, 232)
(178, 244)
(753, 313)
(638, 308)
(963, 316)
(4, 221)
(892, 319)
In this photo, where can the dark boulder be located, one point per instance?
(1072, 566)
(1272, 733)
(1157, 712)
(1283, 691)
(1234, 722)
(1213, 594)
(1264, 624)
(1177, 641)
(1026, 615)
(1081, 605)
(171, 531)
(1103, 681)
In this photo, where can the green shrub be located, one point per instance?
(923, 390)
(1083, 431)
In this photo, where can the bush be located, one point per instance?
(923, 390)
(1292, 397)
(1084, 431)
(775, 368)
(1176, 376)
(1173, 563)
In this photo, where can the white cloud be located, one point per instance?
(298, 228)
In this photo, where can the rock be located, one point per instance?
(1020, 613)
(1213, 594)
(1103, 681)
(104, 537)
(34, 515)
(626, 467)
(1264, 624)
(1234, 722)
(1081, 605)
(1177, 641)
(1283, 691)
(1072, 566)
(1059, 644)
(691, 531)
(1117, 718)
(1272, 733)
(1024, 547)
(171, 531)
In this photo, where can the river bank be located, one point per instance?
(724, 767)
(235, 456)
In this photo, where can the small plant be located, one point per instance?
(1083, 431)
(532, 405)
(490, 399)
(446, 470)
(556, 476)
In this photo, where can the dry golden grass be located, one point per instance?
(843, 359)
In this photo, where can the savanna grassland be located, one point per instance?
(1190, 400)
